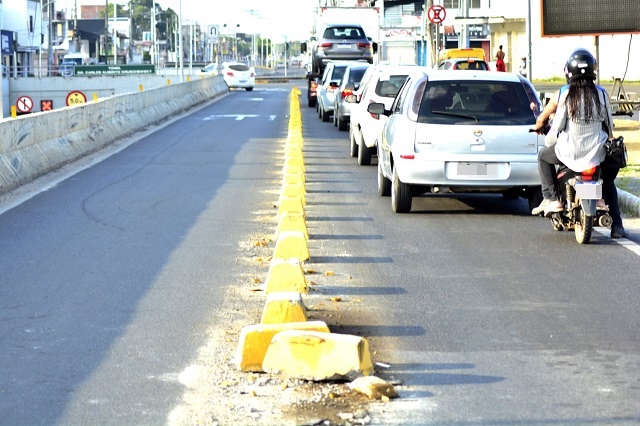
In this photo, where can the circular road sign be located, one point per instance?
(24, 104)
(437, 14)
(75, 98)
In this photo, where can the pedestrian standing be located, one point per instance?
(500, 66)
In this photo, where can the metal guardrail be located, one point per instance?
(624, 107)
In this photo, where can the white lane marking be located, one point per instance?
(256, 99)
(626, 243)
(237, 117)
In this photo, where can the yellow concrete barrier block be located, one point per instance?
(291, 245)
(286, 275)
(291, 151)
(293, 178)
(310, 355)
(299, 162)
(294, 190)
(283, 307)
(291, 222)
(290, 205)
(289, 169)
(255, 339)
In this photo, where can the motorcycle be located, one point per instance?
(579, 194)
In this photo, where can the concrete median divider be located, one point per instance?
(255, 340)
(286, 275)
(35, 144)
(280, 343)
(292, 222)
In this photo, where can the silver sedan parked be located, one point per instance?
(459, 131)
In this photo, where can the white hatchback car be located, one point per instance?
(238, 75)
(380, 83)
(460, 131)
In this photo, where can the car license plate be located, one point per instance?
(344, 46)
(478, 169)
(589, 190)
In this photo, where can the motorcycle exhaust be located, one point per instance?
(605, 220)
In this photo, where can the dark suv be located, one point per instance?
(341, 42)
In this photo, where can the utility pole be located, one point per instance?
(115, 33)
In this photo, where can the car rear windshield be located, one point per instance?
(355, 75)
(470, 102)
(239, 67)
(389, 88)
(338, 72)
(471, 65)
(342, 33)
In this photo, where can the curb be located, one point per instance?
(629, 202)
(285, 341)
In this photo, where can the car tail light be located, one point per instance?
(325, 45)
(346, 93)
(364, 45)
(253, 74)
(408, 156)
(314, 85)
(229, 74)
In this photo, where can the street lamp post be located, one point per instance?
(180, 41)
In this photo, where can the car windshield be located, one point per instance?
(469, 102)
(341, 33)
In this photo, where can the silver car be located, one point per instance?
(342, 42)
(350, 82)
(459, 131)
(328, 86)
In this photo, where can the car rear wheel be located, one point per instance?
(534, 197)
(324, 115)
(364, 154)
(249, 89)
(384, 184)
(353, 146)
(342, 124)
(400, 195)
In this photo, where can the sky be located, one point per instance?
(292, 19)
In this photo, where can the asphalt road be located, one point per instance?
(109, 278)
(121, 279)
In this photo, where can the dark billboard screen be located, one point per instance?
(590, 17)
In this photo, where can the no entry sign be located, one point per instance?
(24, 104)
(437, 14)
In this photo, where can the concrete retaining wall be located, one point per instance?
(38, 143)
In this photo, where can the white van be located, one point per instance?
(78, 58)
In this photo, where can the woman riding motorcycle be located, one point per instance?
(582, 124)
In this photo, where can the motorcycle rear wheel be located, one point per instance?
(583, 227)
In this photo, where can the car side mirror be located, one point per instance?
(377, 109)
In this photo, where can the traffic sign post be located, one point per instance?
(24, 104)
(437, 14)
